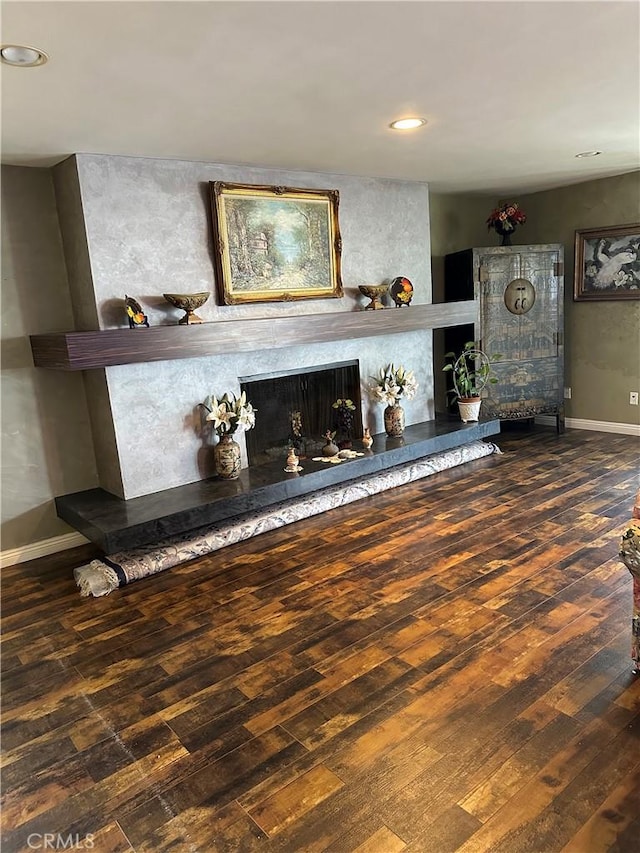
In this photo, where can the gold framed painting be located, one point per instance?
(274, 244)
(607, 263)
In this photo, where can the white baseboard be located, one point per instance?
(595, 426)
(41, 549)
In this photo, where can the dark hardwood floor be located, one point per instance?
(443, 667)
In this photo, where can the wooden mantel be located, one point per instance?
(86, 350)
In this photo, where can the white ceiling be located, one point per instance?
(511, 90)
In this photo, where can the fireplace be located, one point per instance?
(295, 407)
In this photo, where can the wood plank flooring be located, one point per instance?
(442, 667)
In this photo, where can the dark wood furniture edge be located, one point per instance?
(108, 347)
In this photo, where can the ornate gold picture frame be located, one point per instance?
(274, 244)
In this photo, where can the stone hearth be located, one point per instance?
(115, 524)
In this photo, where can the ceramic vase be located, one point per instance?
(226, 455)
(394, 420)
(330, 448)
(292, 462)
(506, 235)
(367, 439)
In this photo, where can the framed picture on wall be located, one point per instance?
(607, 263)
(274, 244)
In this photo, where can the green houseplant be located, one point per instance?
(471, 371)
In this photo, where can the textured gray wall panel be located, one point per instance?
(148, 229)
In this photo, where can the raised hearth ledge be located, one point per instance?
(102, 577)
(115, 524)
(87, 350)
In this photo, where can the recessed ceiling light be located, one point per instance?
(588, 154)
(20, 54)
(407, 123)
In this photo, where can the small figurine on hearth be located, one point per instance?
(135, 314)
(292, 462)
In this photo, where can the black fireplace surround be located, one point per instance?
(295, 407)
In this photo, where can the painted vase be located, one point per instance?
(367, 439)
(394, 420)
(226, 455)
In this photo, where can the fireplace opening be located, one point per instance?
(295, 408)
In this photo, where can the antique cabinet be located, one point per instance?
(520, 293)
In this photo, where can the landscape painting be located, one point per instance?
(275, 244)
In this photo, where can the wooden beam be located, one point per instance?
(87, 350)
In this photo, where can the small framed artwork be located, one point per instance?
(274, 244)
(607, 263)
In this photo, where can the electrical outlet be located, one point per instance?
(567, 393)
(633, 398)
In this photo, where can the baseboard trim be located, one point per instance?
(595, 426)
(41, 549)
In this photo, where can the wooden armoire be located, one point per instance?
(520, 290)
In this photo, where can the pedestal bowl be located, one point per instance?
(188, 302)
(374, 292)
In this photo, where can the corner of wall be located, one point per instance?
(68, 191)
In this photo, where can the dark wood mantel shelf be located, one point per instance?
(86, 350)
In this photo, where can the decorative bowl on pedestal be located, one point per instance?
(188, 302)
(374, 292)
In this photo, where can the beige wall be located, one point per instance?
(457, 222)
(46, 439)
(602, 352)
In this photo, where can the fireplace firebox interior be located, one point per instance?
(295, 409)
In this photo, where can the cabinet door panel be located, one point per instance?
(524, 388)
(520, 293)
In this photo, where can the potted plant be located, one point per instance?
(344, 421)
(471, 371)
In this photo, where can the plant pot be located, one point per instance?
(226, 455)
(469, 408)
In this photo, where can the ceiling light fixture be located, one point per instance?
(588, 154)
(407, 123)
(22, 55)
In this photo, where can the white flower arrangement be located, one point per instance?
(230, 413)
(393, 383)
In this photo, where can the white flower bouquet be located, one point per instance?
(230, 413)
(392, 384)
